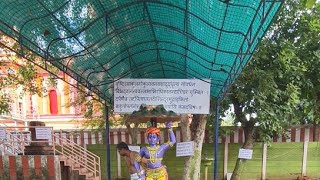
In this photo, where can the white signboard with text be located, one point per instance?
(245, 153)
(2, 133)
(134, 148)
(185, 149)
(178, 95)
(43, 133)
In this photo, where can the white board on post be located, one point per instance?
(181, 96)
(185, 149)
(229, 175)
(43, 133)
(134, 148)
(245, 153)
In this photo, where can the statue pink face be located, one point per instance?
(153, 139)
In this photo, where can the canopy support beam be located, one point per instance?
(216, 139)
(107, 142)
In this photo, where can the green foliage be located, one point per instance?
(280, 86)
(145, 110)
(228, 120)
(25, 77)
(223, 107)
(18, 73)
(4, 103)
(309, 3)
(94, 111)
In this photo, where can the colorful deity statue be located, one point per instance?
(154, 154)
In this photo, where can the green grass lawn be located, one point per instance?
(284, 161)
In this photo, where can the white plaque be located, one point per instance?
(2, 133)
(185, 149)
(134, 148)
(245, 153)
(43, 133)
(229, 175)
(181, 96)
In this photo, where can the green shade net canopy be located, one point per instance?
(99, 42)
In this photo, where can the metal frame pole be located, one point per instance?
(107, 142)
(216, 138)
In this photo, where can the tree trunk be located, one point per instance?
(248, 127)
(133, 132)
(314, 129)
(192, 163)
(248, 144)
(185, 128)
(316, 118)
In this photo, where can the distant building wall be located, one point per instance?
(52, 108)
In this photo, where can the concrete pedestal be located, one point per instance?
(40, 147)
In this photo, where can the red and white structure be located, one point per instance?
(236, 135)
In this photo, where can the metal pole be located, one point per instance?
(107, 142)
(216, 138)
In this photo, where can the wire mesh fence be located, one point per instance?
(313, 160)
(284, 161)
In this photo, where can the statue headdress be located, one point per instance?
(152, 129)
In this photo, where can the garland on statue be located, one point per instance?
(153, 153)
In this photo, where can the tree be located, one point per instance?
(195, 131)
(93, 110)
(308, 51)
(16, 72)
(276, 90)
(196, 134)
